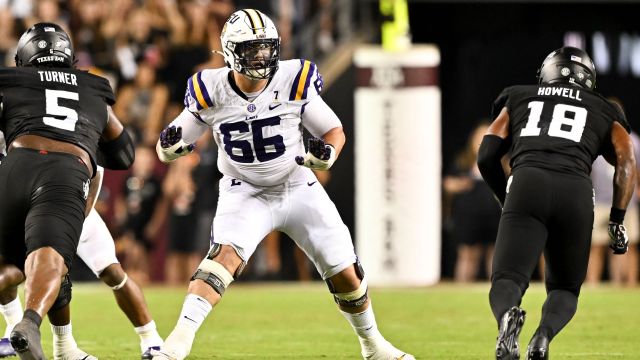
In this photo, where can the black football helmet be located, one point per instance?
(568, 65)
(45, 44)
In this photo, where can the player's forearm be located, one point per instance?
(336, 138)
(624, 181)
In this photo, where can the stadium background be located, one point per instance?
(484, 46)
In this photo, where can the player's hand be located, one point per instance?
(618, 239)
(171, 145)
(319, 156)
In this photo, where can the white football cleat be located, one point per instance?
(165, 355)
(177, 345)
(75, 354)
(378, 348)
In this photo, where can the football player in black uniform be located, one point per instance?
(53, 117)
(554, 130)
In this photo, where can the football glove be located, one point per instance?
(319, 156)
(618, 239)
(171, 146)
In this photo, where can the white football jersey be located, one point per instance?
(258, 140)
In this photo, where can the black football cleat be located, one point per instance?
(538, 348)
(507, 347)
(25, 339)
(147, 354)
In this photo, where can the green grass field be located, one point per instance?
(300, 321)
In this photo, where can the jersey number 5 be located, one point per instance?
(259, 141)
(62, 117)
(573, 126)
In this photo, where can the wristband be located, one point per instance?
(617, 215)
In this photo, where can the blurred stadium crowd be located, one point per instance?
(161, 215)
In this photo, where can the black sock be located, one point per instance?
(557, 311)
(504, 294)
(33, 316)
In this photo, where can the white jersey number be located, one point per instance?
(559, 119)
(265, 148)
(62, 117)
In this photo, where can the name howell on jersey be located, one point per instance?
(560, 91)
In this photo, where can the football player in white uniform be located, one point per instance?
(96, 249)
(256, 111)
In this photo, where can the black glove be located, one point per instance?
(171, 144)
(619, 241)
(171, 136)
(319, 156)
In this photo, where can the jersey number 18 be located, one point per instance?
(559, 119)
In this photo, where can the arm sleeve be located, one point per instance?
(192, 127)
(318, 118)
(491, 151)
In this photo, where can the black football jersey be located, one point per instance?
(58, 103)
(558, 127)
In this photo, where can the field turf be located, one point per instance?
(300, 321)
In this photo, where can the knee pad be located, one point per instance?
(214, 274)
(64, 295)
(354, 298)
(215, 249)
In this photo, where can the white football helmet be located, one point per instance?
(250, 44)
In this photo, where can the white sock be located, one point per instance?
(149, 336)
(194, 310)
(63, 341)
(364, 323)
(12, 313)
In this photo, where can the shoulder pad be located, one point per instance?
(197, 97)
(105, 88)
(11, 77)
(500, 102)
(619, 115)
(306, 76)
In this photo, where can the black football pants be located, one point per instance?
(545, 212)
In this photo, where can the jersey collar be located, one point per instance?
(236, 89)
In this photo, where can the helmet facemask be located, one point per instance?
(257, 59)
(250, 44)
